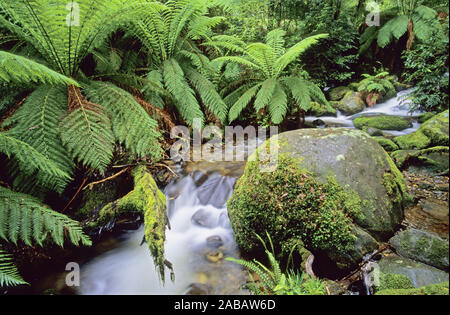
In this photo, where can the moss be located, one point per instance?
(433, 289)
(437, 128)
(319, 110)
(416, 140)
(424, 117)
(387, 144)
(394, 281)
(383, 122)
(148, 200)
(290, 204)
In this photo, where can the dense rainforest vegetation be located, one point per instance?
(88, 86)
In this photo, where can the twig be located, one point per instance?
(76, 194)
(91, 185)
(379, 251)
(164, 165)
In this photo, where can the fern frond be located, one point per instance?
(208, 94)
(242, 102)
(30, 160)
(295, 51)
(36, 122)
(9, 275)
(24, 217)
(132, 126)
(87, 135)
(184, 96)
(18, 69)
(278, 105)
(265, 94)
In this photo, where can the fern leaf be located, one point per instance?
(278, 105)
(265, 94)
(18, 69)
(9, 275)
(242, 102)
(24, 217)
(87, 135)
(132, 126)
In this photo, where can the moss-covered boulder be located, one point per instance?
(332, 163)
(425, 116)
(338, 93)
(392, 281)
(387, 144)
(435, 159)
(432, 289)
(320, 110)
(383, 122)
(294, 207)
(418, 273)
(351, 104)
(434, 132)
(400, 157)
(422, 246)
(436, 129)
(145, 199)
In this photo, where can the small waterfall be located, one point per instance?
(199, 226)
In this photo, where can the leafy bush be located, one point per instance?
(426, 67)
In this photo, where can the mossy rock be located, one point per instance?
(351, 104)
(392, 281)
(346, 159)
(422, 246)
(419, 273)
(320, 110)
(414, 141)
(338, 93)
(383, 122)
(387, 144)
(290, 204)
(433, 289)
(400, 157)
(426, 116)
(437, 129)
(434, 132)
(145, 199)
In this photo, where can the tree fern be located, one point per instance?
(170, 36)
(265, 83)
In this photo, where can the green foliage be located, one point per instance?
(290, 204)
(266, 84)
(177, 64)
(36, 123)
(426, 67)
(394, 281)
(132, 126)
(26, 218)
(17, 69)
(432, 289)
(422, 19)
(379, 83)
(274, 281)
(9, 275)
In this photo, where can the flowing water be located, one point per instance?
(200, 228)
(200, 235)
(397, 106)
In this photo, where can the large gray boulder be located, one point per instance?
(352, 159)
(357, 161)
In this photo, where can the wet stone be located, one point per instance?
(203, 218)
(214, 241)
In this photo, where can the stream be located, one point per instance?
(201, 235)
